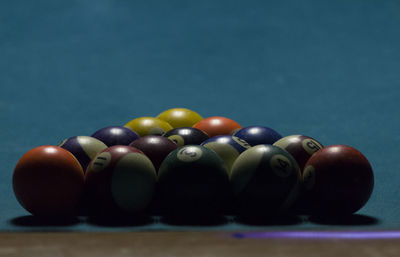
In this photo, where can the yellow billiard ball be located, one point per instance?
(180, 117)
(144, 126)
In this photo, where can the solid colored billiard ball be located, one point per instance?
(148, 126)
(120, 180)
(84, 148)
(186, 136)
(192, 180)
(180, 117)
(155, 147)
(227, 147)
(115, 135)
(258, 135)
(338, 180)
(266, 181)
(300, 147)
(48, 181)
(217, 125)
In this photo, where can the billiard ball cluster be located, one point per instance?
(181, 164)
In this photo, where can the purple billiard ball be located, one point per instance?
(115, 135)
(84, 148)
(155, 147)
(258, 135)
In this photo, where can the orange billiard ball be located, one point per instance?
(48, 180)
(217, 125)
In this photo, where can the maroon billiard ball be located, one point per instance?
(300, 147)
(338, 180)
(48, 181)
(155, 147)
(120, 180)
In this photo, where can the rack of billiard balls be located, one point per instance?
(182, 164)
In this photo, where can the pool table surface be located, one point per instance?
(326, 69)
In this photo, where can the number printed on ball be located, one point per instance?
(309, 177)
(189, 154)
(311, 146)
(101, 161)
(281, 165)
(177, 139)
(241, 142)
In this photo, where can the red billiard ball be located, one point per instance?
(218, 125)
(120, 180)
(338, 180)
(155, 147)
(300, 147)
(48, 180)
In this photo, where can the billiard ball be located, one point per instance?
(180, 117)
(48, 181)
(338, 180)
(148, 126)
(155, 147)
(217, 125)
(115, 135)
(258, 135)
(84, 148)
(186, 136)
(227, 147)
(120, 180)
(192, 181)
(300, 147)
(266, 181)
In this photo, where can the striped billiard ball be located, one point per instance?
(266, 181)
(120, 180)
(84, 148)
(300, 147)
(227, 147)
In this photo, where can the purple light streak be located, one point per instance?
(320, 235)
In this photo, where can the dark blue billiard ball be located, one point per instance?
(258, 135)
(227, 147)
(84, 148)
(115, 135)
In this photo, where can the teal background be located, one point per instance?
(327, 69)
